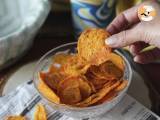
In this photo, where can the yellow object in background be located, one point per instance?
(125, 4)
(137, 1)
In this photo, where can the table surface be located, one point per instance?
(58, 30)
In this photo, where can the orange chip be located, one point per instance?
(92, 86)
(122, 85)
(40, 113)
(53, 69)
(47, 92)
(111, 69)
(74, 89)
(91, 46)
(61, 58)
(58, 61)
(108, 97)
(68, 91)
(117, 60)
(52, 80)
(74, 67)
(85, 88)
(16, 118)
(97, 72)
(99, 83)
(99, 95)
(98, 78)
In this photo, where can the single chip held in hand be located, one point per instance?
(92, 47)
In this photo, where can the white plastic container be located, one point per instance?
(27, 17)
(10, 17)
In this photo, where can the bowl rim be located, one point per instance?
(74, 107)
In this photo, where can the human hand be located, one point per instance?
(126, 29)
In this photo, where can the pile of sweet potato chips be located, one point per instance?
(90, 77)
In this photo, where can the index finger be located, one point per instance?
(127, 18)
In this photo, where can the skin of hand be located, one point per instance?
(127, 30)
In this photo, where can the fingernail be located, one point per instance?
(110, 41)
(132, 50)
(137, 59)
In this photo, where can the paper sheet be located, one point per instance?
(23, 99)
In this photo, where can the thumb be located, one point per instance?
(123, 38)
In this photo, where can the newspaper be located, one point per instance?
(23, 99)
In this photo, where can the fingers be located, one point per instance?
(124, 38)
(147, 57)
(143, 31)
(136, 48)
(140, 32)
(122, 21)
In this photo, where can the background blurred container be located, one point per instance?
(10, 18)
(15, 44)
(92, 13)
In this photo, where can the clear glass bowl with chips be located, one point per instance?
(78, 112)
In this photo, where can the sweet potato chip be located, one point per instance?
(52, 80)
(122, 85)
(92, 86)
(74, 67)
(97, 82)
(108, 97)
(16, 118)
(74, 89)
(61, 58)
(97, 72)
(117, 60)
(109, 68)
(40, 113)
(58, 61)
(85, 88)
(53, 68)
(99, 95)
(47, 91)
(91, 46)
(68, 91)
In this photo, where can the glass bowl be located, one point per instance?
(86, 112)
